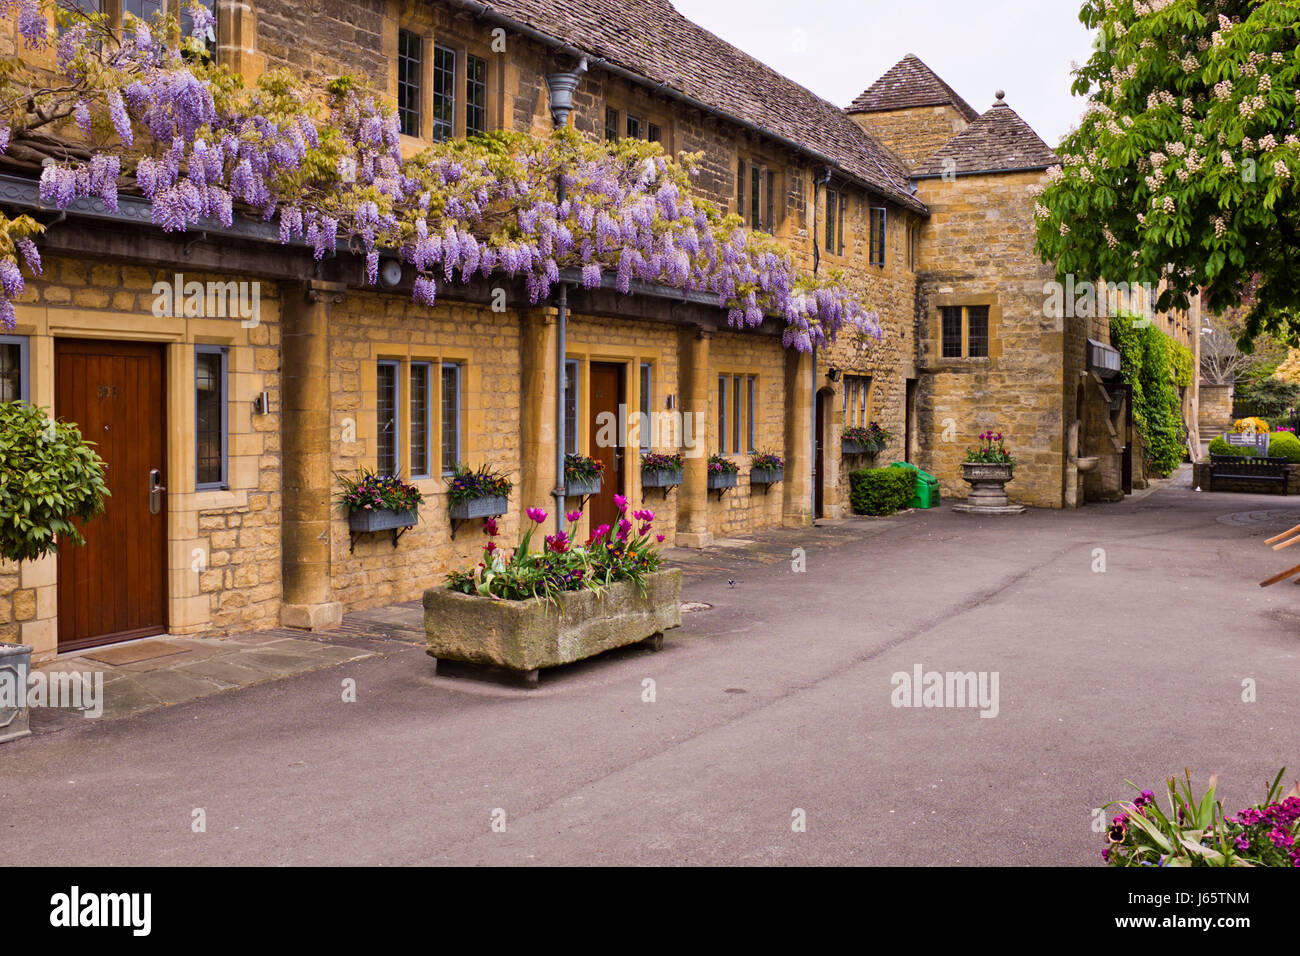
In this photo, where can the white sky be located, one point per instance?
(837, 48)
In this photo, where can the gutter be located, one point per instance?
(986, 172)
(563, 47)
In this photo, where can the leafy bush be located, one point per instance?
(466, 485)
(1284, 445)
(1220, 446)
(1268, 397)
(1198, 832)
(49, 475)
(624, 553)
(1148, 363)
(881, 491)
(370, 490)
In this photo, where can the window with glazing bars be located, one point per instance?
(13, 368)
(756, 197)
(977, 331)
(476, 96)
(209, 417)
(387, 378)
(771, 201)
(571, 407)
(950, 333)
(444, 93)
(633, 126)
(832, 221)
(857, 388)
(421, 418)
(409, 65)
(876, 247)
(722, 414)
(654, 133)
(611, 124)
(450, 416)
(750, 400)
(740, 189)
(645, 406)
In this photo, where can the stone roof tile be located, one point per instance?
(910, 83)
(998, 141)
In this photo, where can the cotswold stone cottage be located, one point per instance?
(223, 433)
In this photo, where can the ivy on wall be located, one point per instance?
(1157, 367)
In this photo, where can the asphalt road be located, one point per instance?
(777, 699)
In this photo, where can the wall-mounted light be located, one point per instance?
(834, 374)
(672, 401)
(262, 404)
(391, 272)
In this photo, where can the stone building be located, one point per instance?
(224, 434)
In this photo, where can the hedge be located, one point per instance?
(1284, 445)
(1156, 366)
(881, 491)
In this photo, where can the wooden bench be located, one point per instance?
(1272, 470)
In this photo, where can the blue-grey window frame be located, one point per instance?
(397, 417)
(427, 472)
(24, 366)
(450, 467)
(223, 403)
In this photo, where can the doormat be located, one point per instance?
(134, 653)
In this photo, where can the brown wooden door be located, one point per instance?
(114, 588)
(607, 394)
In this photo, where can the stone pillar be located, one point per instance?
(305, 440)
(538, 390)
(693, 495)
(797, 489)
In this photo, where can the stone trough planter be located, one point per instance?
(523, 638)
(15, 666)
(988, 493)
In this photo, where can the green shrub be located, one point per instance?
(881, 491)
(1154, 365)
(1284, 445)
(1219, 446)
(48, 476)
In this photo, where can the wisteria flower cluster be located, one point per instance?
(1196, 832)
(627, 552)
(202, 146)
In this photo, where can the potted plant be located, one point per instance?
(582, 475)
(987, 469)
(766, 468)
(525, 610)
(477, 494)
(661, 471)
(723, 473)
(50, 478)
(377, 502)
(866, 439)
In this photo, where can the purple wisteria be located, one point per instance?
(456, 211)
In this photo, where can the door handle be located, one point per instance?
(156, 490)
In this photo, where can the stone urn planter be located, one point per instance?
(988, 494)
(526, 637)
(661, 478)
(581, 487)
(15, 666)
(766, 476)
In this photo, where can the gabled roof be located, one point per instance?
(650, 39)
(998, 141)
(909, 83)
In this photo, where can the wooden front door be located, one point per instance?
(607, 394)
(114, 588)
